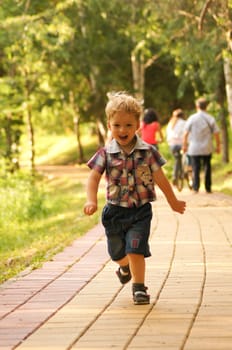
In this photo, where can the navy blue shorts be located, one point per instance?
(127, 230)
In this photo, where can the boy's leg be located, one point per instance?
(112, 216)
(133, 243)
(137, 267)
(123, 271)
(123, 262)
(137, 249)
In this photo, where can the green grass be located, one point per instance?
(55, 149)
(222, 176)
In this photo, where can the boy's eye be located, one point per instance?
(118, 125)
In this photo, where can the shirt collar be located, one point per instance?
(114, 147)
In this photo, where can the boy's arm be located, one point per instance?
(91, 191)
(163, 183)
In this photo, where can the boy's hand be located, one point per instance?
(178, 206)
(90, 208)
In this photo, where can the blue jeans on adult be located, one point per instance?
(196, 162)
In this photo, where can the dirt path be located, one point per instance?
(79, 172)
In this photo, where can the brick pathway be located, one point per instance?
(76, 302)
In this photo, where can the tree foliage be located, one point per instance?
(60, 58)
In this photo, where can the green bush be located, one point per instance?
(20, 199)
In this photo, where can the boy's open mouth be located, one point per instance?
(123, 138)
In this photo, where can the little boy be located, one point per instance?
(132, 168)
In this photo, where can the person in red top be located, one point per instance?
(150, 128)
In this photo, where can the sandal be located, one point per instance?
(123, 278)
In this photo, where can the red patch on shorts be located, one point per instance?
(135, 243)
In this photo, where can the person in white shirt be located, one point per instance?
(198, 142)
(174, 135)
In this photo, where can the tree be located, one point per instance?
(60, 59)
(199, 54)
(221, 14)
(22, 63)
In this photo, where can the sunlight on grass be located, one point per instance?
(60, 149)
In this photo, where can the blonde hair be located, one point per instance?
(122, 102)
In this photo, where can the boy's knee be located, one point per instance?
(116, 248)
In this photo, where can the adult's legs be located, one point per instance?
(177, 160)
(196, 168)
(207, 172)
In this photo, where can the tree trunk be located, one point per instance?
(228, 81)
(138, 70)
(76, 119)
(31, 140)
(8, 153)
(221, 99)
(224, 137)
(80, 151)
(102, 134)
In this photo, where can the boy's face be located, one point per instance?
(123, 127)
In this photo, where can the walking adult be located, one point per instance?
(200, 130)
(150, 128)
(174, 135)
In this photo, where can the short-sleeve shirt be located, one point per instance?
(175, 133)
(201, 127)
(128, 176)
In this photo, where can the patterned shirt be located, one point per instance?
(128, 176)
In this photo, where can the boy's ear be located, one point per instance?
(108, 125)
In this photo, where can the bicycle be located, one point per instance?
(183, 170)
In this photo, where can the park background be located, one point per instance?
(58, 60)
